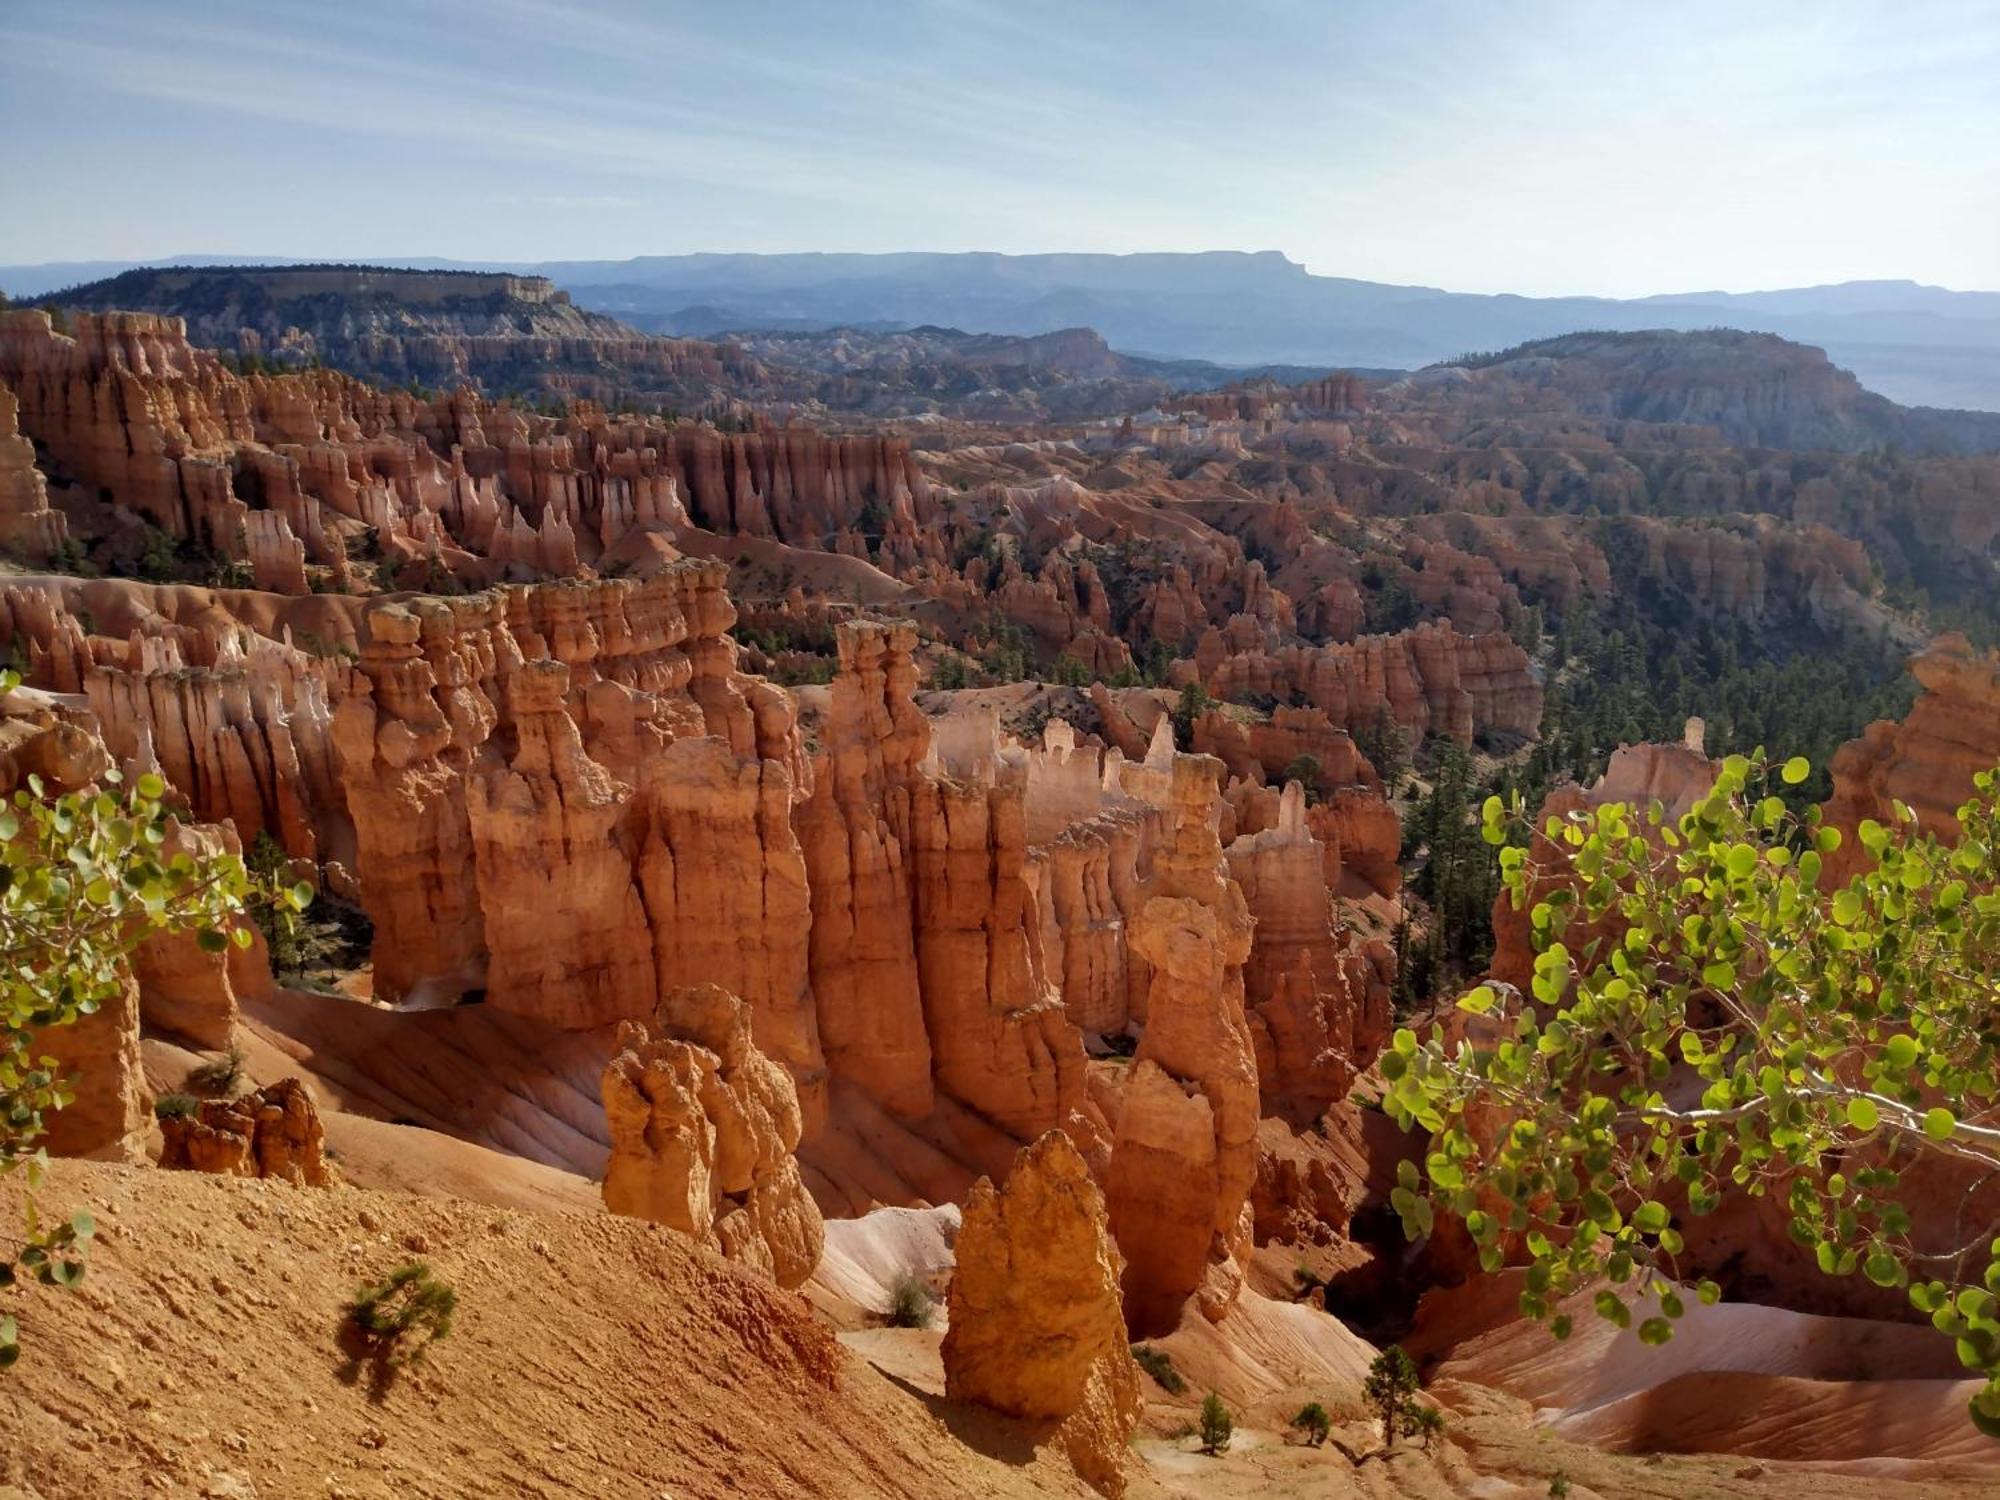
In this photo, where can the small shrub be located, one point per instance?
(911, 1302)
(219, 1075)
(1194, 702)
(71, 558)
(394, 1322)
(1559, 1486)
(1305, 770)
(1391, 1388)
(1217, 1426)
(952, 671)
(1427, 1425)
(1313, 1422)
(1156, 1364)
(1070, 672)
(175, 1106)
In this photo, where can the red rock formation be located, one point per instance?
(703, 1127)
(1927, 762)
(173, 984)
(27, 525)
(490, 734)
(1314, 1019)
(1307, 1186)
(926, 965)
(1362, 839)
(1000, 1040)
(1269, 750)
(566, 931)
(481, 492)
(1637, 775)
(1183, 1153)
(855, 832)
(107, 1118)
(402, 764)
(183, 988)
(1432, 680)
(1036, 1331)
(274, 1132)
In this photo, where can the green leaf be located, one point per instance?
(1940, 1123)
(1479, 1001)
(1862, 1114)
(1900, 1052)
(1651, 1217)
(1655, 1331)
(1987, 1421)
(1796, 770)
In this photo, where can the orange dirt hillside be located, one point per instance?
(592, 1355)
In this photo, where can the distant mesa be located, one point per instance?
(1919, 345)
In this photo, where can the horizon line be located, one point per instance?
(500, 264)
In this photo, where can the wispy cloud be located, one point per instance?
(1548, 145)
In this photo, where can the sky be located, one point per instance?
(1536, 146)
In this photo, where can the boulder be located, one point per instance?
(273, 1132)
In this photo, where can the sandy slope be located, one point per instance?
(373, 1152)
(865, 1258)
(1737, 1378)
(594, 1356)
(1494, 1450)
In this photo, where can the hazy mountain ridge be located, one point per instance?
(1918, 345)
(510, 333)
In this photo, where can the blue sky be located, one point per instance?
(1536, 146)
